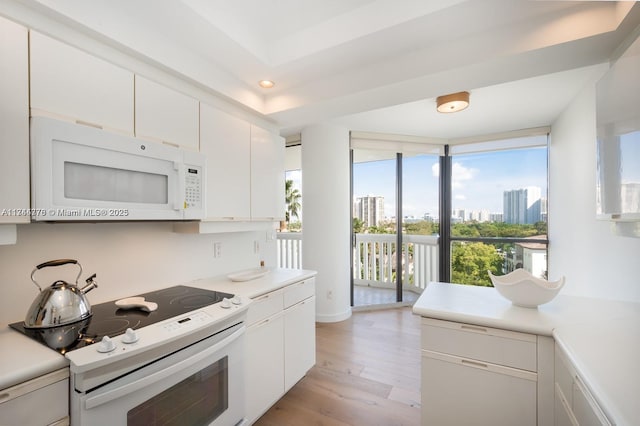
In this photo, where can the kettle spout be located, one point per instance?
(91, 284)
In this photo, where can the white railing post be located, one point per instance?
(373, 258)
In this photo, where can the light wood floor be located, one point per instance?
(367, 372)
(372, 296)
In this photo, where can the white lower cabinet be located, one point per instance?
(477, 375)
(299, 341)
(40, 401)
(575, 406)
(280, 344)
(265, 369)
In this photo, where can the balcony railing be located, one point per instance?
(290, 250)
(374, 260)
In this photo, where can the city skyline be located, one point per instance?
(478, 180)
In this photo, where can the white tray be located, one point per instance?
(248, 275)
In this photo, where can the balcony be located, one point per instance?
(374, 264)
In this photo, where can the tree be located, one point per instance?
(471, 261)
(358, 225)
(292, 198)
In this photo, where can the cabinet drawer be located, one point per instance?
(298, 292)
(264, 306)
(50, 392)
(497, 346)
(457, 391)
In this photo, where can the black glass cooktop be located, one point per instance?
(109, 320)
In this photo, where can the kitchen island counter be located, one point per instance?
(601, 337)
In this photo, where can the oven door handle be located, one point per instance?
(136, 385)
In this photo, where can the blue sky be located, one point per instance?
(479, 180)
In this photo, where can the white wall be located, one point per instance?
(595, 262)
(325, 188)
(129, 258)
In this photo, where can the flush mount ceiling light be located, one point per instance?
(453, 103)
(266, 84)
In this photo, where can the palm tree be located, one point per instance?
(292, 198)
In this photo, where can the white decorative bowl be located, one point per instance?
(523, 289)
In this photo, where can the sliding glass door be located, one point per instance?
(395, 205)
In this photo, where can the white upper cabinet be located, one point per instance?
(267, 175)
(14, 123)
(165, 115)
(75, 85)
(225, 140)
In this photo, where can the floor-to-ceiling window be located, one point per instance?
(498, 209)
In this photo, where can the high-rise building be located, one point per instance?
(369, 209)
(496, 217)
(522, 205)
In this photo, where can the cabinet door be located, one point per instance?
(264, 373)
(267, 175)
(225, 140)
(299, 341)
(14, 122)
(562, 410)
(68, 82)
(585, 408)
(165, 115)
(458, 391)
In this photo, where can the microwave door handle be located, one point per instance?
(178, 202)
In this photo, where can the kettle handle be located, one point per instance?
(57, 262)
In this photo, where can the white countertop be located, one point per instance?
(273, 280)
(22, 358)
(601, 337)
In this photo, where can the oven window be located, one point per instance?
(197, 400)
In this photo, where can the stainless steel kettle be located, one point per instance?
(61, 303)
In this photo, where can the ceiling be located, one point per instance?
(372, 65)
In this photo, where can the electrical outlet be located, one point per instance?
(217, 250)
(329, 294)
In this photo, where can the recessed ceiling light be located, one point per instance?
(266, 84)
(453, 103)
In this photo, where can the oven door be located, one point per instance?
(198, 385)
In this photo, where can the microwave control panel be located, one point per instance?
(193, 187)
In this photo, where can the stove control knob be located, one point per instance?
(226, 303)
(236, 300)
(130, 336)
(106, 345)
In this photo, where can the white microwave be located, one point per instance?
(82, 173)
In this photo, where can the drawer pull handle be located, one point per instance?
(266, 296)
(475, 363)
(473, 328)
(5, 397)
(87, 123)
